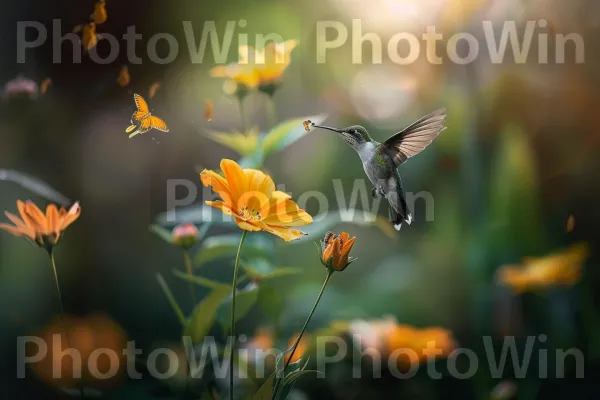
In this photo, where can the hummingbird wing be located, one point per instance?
(416, 137)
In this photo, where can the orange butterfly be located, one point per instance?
(142, 121)
(89, 37)
(209, 110)
(153, 89)
(99, 16)
(45, 85)
(124, 76)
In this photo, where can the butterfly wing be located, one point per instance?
(144, 125)
(142, 109)
(416, 137)
(157, 123)
(141, 104)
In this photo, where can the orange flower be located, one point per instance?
(260, 350)
(336, 250)
(43, 229)
(88, 337)
(249, 196)
(300, 350)
(560, 268)
(411, 345)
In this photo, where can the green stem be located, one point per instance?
(233, 290)
(62, 309)
(291, 356)
(188, 268)
(60, 302)
(271, 112)
(243, 115)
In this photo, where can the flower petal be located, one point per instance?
(293, 218)
(258, 180)
(54, 224)
(70, 216)
(18, 231)
(328, 252)
(347, 247)
(337, 261)
(283, 232)
(236, 179)
(15, 220)
(218, 184)
(37, 216)
(23, 212)
(247, 225)
(224, 207)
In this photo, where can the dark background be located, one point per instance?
(435, 273)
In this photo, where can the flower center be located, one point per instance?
(250, 214)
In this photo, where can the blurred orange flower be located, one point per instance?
(413, 344)
(249, 196)
(557, 269)
(336, 250)
(300, 349)
(96, 340)
(43, 229)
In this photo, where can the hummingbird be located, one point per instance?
(381, 160)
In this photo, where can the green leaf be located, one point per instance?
(163, 233)
(171, 299)
(266, 390)
(287, 132)
(328, 220)
(244, 301)
(203, 316)
(260, 269)
(201, 281)
(270, 302)
(216, 247)
(290, 380)
(243, 143)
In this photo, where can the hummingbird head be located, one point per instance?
(354, 135)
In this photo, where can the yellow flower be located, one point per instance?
(558, 269)
(43, 229)
(272, 61)
(244, 75)
(258, 67)
(249, 196)
(336, 250)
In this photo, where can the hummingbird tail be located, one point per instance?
(399, 212)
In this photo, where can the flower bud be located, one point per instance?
(185, 235)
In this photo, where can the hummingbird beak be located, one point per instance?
(327, 127)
